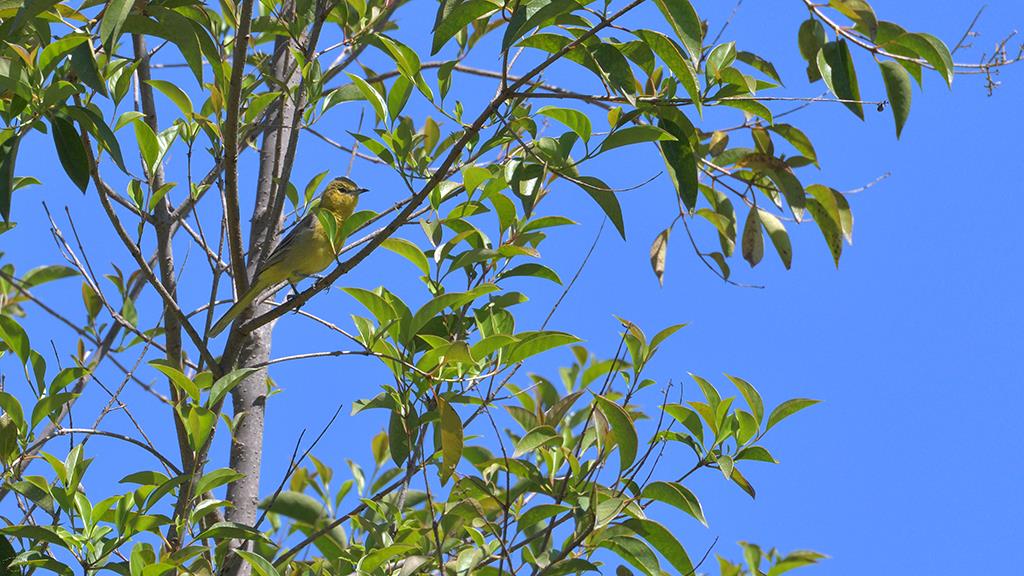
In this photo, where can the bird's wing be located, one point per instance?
(300, 231)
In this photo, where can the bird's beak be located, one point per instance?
(361, 191)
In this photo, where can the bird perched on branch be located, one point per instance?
(306, 250)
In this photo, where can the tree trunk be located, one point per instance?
(249, 397)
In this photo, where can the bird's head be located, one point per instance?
(340, 197)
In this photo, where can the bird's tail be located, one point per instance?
(243, 302)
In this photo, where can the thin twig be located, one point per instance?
(65, 431)
(969, 32)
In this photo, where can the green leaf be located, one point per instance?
(159, 193)
(35, 534)
(8, 155)
(48, 405)
(371, 95)
(577, 121)
(218, 477)
(811, 38)
(451, 438)
(176, 95)
(708, 390)
(553, 43)
(617, 72)
(409, 251)
(836, 67)
(622, 430)
(788, 408)
(93, 122)
(635, 551)
(635, 135)
(199, 424)
(258, 103)
(720, 59)
(458, 18)
(546, 222)
(726, 464)
(675, 494)
(71, 151)
(664, 542)
(932, 50)
(860, 13)
(682, 68)
(779, 236)
(681, 158)
(898, 91)
(797, 139)
(226, 383)
(65, 377)
(845, 216)
(747, 426)
(149, 145)
(57, 49)
(782, 176)
(795, 560)
(751, 395)
(13, 410)
(529, 15)
(830, 228)
(760, 64)
(533, 343)
(570, 566)
(539, 512)
(757, 453)
(406, 59)
(605, 198)
(664, 333)
(7, 553)
(451, 299)
(114, 16)
(742, 482)
(532, 269)
(752, 107)
(375, 303)
(398, 96)
(83, 64)
(310, 515)
(15, 337)
(752, 241)
(176, 377)
(44, 274)
(261, 565)
(685, 23)
(399, 445)
(539, 437)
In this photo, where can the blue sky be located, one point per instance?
(909, 464)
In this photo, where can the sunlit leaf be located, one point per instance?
(664, 542)
(458, 18)
(622, 430)
(778, 235)
(788, 408)
(577, 121)
(675, 494)
(685, 23)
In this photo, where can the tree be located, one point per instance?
(576, 485)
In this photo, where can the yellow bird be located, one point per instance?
(306, 250)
